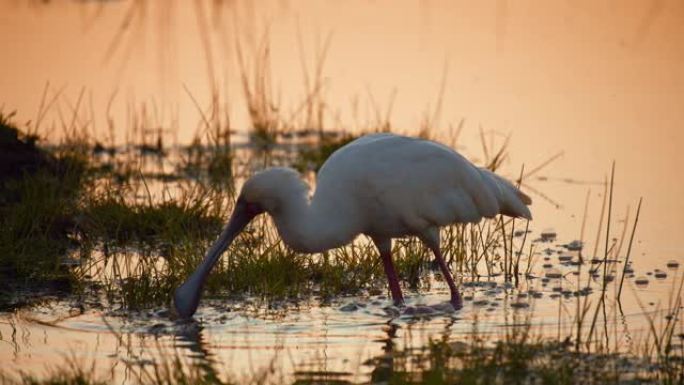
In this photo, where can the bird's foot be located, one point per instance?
(456, 301)
(399, 302)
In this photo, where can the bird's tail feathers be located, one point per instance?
(511, 200)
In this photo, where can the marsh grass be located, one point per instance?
(39, 196)
(141, 233)
(112, 218)
(311, 158)
(171, 371)
(514, 360)
(72, 373)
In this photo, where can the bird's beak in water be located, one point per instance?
(187, 296)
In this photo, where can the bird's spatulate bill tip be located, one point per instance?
(187, 296)
(186, 300)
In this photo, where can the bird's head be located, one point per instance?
(264, 192)
(271, 188)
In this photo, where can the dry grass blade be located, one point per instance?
(629, 250)
(601, 303)
(545, 163)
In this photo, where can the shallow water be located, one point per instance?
(351, 338)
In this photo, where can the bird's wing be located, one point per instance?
(421, 183)
(429, 184)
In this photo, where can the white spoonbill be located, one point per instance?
(384, 186)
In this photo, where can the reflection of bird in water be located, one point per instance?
(191, 337)
(384, 364)
(384, 186)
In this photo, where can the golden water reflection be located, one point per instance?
(231, 342)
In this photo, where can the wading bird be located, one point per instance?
(384, 186)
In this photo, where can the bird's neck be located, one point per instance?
(314, 225)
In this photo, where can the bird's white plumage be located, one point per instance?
(382, 185)
(385, 186)
(399, 185)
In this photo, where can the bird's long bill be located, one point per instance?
(187, 296)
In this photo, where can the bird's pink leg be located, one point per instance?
(385, 248)
(456, 300)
